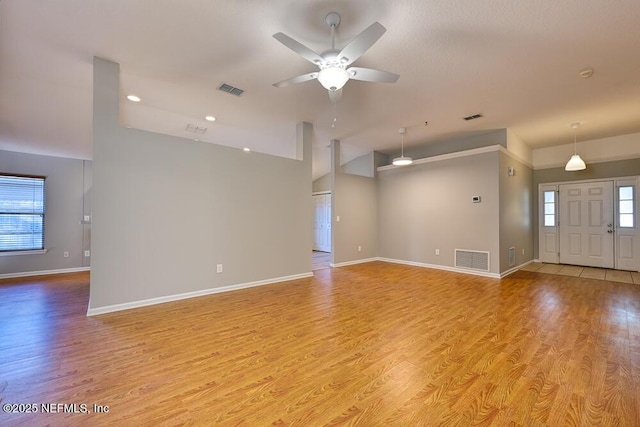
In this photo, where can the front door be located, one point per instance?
(586, 224)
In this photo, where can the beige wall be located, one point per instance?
(516, 211)
(429, 206)
(322, 184)
(354, 200)
(65, 200)
(166, 210)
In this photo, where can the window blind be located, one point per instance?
(21, 213)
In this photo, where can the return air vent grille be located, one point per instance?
(473, 117)
(512, 256)
(230, 89)
(475, 260)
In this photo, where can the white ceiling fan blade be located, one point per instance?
(335, 95)
(371, 75)
(297, 79)
(299, 48)
(361, 43)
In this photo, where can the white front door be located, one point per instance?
(586, 224)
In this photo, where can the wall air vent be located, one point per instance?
(473, 117)
(474, 260)
(512, 256)
(230, 89)
(195, 129)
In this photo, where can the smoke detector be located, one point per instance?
(586, 73)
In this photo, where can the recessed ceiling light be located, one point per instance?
(210, 118)
(247, 149)
(133, 98)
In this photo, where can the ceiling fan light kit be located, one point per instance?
(333, 78)
(333, 72)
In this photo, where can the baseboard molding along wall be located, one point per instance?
(177, 297)
(358, 261)
(44, 272)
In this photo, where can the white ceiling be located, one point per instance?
(515, 62)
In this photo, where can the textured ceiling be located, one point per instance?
(517, 63)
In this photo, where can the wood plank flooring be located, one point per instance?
(370, 344)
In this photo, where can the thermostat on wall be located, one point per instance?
(476, 199)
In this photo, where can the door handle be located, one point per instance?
(609, 231)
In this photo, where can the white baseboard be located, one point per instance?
(358, 261)
(441, 267)
(514, 269)
(44, 272)
(177, 297)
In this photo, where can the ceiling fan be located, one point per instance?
(333, 73)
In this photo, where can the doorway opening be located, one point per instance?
(321, 255)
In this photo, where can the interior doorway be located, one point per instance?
(321, 256)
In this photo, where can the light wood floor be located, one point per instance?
(371, 344)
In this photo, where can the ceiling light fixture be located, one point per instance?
(134, 98)
(333, 78)
(247, 149)
(575, 163)
(210, 118)
(402, 160)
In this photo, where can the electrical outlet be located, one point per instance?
(359, 248)
(523, 252)
(437, 251)
(219, 268)
(87, 253)
(338, 218)
(65, 254)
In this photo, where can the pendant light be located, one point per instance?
(575, 163)
(402, 160)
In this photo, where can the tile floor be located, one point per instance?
(586, 272)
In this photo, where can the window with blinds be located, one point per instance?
(21, 213)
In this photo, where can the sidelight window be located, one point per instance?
(550, 208)
(625, 206)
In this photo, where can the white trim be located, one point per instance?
(177, 297)
(44, 272)
(456, 270)
(358, 261)
(514, 156)
(441, 267)
(31, 252)
(465, 153)
(514, 269)
(455, 155)
(590, 162)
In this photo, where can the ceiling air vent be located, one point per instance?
(195, 129)
(473, 117)
(230, 89)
